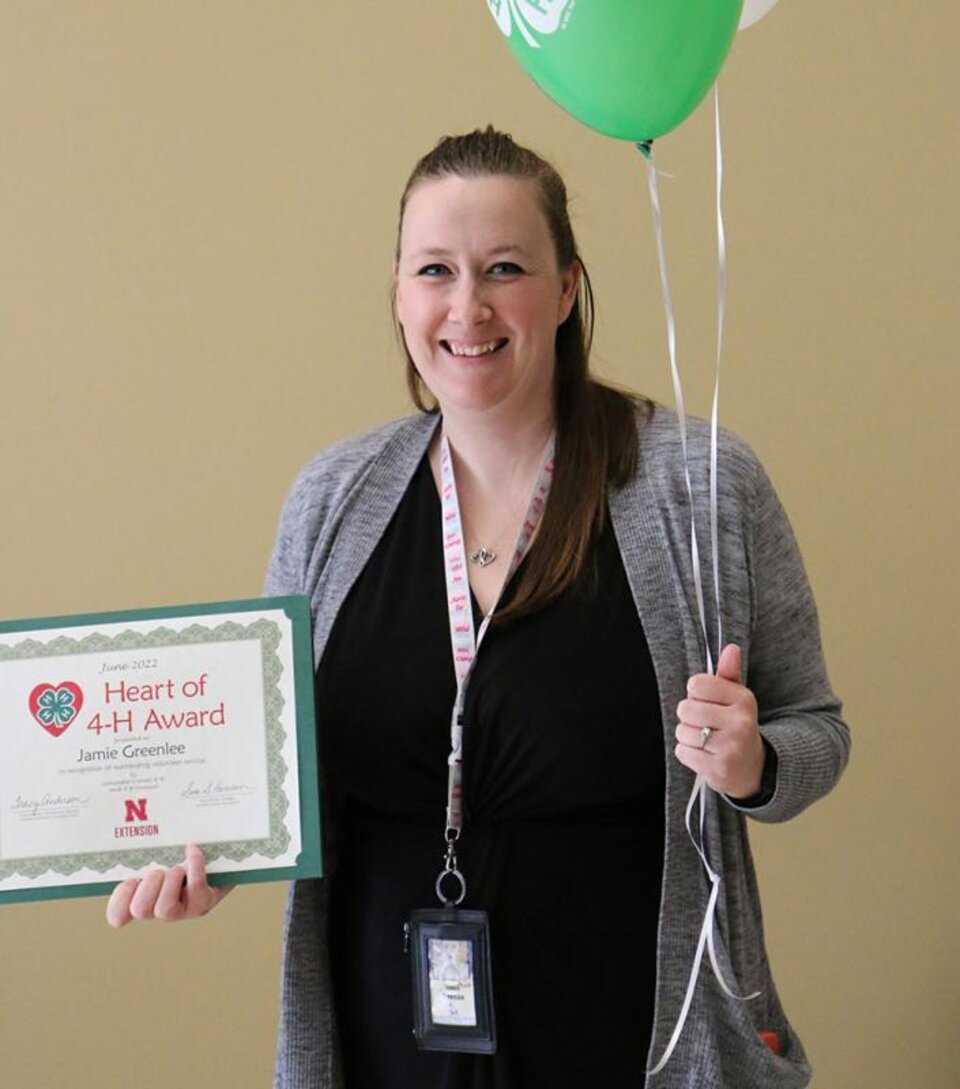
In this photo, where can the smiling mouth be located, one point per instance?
(473, 351)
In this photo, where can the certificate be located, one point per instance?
(126, 736)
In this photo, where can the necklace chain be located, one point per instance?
(485, 554)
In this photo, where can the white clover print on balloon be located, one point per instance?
(539, 16)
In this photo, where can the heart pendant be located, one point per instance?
(483, 556)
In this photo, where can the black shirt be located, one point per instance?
(562, 843)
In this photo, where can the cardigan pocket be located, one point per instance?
(746, 1060)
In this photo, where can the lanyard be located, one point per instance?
(464, 642)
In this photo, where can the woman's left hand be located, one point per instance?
(730, 757)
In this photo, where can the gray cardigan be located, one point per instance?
(334, 516)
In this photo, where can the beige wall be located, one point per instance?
(196, 221)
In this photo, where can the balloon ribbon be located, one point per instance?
(698, 795)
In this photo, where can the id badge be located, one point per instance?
(452, 983)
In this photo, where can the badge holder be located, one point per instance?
(450, 958)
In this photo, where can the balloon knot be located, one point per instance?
(645, 147)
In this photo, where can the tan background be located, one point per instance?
(196, 221)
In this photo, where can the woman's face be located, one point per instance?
(479, 295)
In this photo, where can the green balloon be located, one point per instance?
(633, 69)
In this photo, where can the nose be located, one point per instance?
(468, 302)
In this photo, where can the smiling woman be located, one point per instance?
(479, 296)
(510, 205)
(525, 529)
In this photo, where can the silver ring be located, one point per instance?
(458, 876)
(705, 736)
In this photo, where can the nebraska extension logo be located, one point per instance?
(136, 821)
(531, 17)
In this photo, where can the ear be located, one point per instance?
(570, 278)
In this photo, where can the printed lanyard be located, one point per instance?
(465, 645)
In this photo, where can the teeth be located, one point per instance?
(474, 349)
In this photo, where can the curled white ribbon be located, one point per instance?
(706, 941)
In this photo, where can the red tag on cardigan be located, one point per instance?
(772, 1040)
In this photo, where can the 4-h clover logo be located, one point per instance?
(56, 706)
(530, 16)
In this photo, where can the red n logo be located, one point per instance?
(135, 810)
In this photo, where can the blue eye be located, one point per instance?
(506, 268)
(433, 270)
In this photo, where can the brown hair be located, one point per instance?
(596, 428)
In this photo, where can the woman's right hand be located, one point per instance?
(180, 892)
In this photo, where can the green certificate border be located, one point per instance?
(297, 610)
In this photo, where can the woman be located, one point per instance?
(586, 714)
